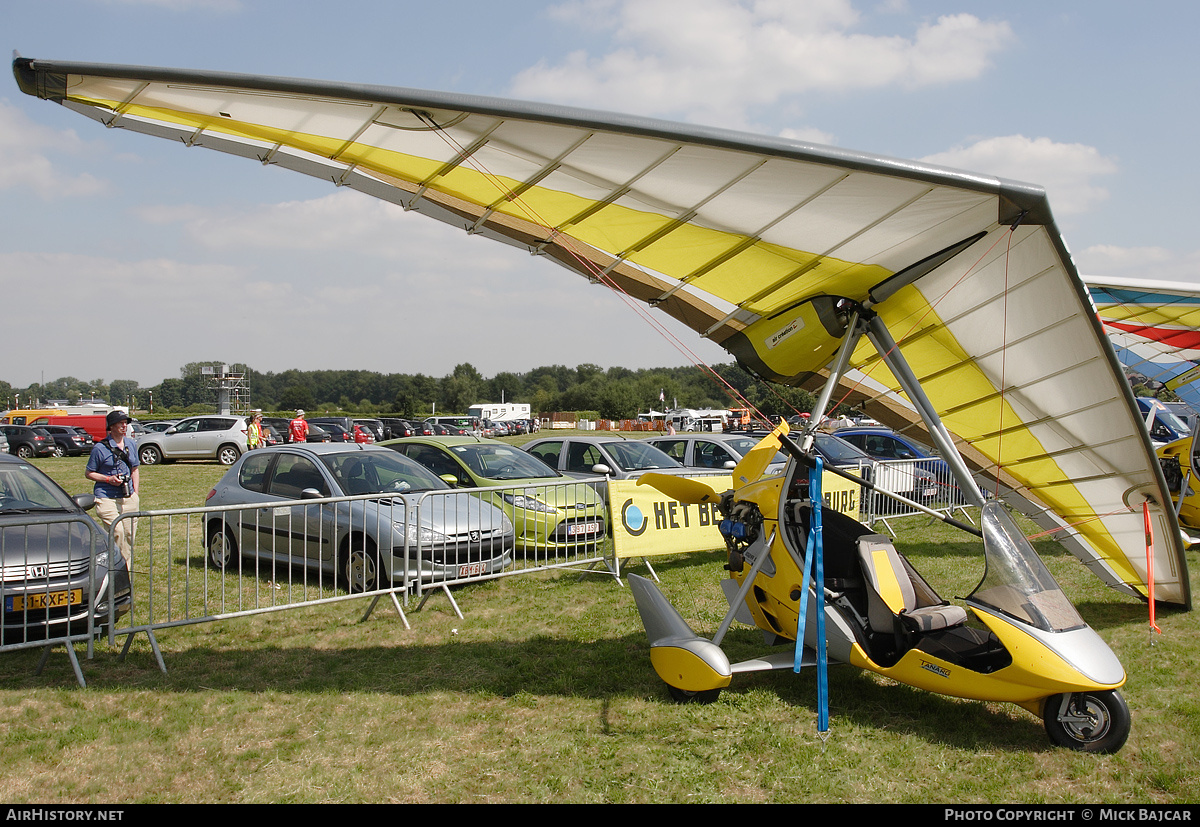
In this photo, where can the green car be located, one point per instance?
(548, 509)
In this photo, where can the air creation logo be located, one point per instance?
(774, 340)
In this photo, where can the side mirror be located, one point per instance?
(85, 501)
(170, 430)
(600, 468)
(729, 465)
(311, 494)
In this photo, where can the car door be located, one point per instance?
(676, 449)
(299, 531)
(211, 434)
(181, 443)
(709, 454)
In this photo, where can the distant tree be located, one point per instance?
(296, 397)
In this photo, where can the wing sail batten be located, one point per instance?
(749, 240)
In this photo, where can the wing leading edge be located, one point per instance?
(756, 243)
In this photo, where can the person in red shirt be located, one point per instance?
(298, 428)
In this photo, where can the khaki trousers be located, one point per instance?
(108, 510)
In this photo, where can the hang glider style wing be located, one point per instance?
(1155, 329)
(759, 244)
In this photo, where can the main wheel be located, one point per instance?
(25, 451)
(149, 455)
(222, 548)
(360, 566)
(1088, 721)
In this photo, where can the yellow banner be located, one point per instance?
(647, 522)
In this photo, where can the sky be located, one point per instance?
(127, 257)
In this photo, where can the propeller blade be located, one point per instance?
(758, 458)
(683, 489)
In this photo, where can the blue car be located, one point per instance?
(886, 444)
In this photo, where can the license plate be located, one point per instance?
(44, 600)
(472, 569)
(583, 528)
(931, 492)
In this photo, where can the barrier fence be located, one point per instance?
(59, 587)
(199, 565)
(929, 482)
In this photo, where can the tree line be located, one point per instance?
(612, 393)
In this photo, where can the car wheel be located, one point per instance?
(59, 452)
(222, 548)
(228, 454)
(25, 451)
(360, 566)
(149, 455)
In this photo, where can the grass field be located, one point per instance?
(545, 693)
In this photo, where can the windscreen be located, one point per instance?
(1017, 582)
(503, 462)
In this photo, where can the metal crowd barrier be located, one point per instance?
(57, 588)
(198, 565)
(927, 481)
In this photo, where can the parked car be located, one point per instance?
(341, 428)
(601, 458)
(87, 438)
(908, 481)
(718, 452)
(545, 515)
(884, 443)
(158, 425)
(46, 582)
(374, 426)
(27, 442)
(222, 438)
(317, 434)
(3, 443)
(363, 434)
(363, 541)
(396, 428)
(68, 442)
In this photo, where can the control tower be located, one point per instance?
(233, 389)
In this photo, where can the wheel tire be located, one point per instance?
(25, 451)
(149, 455)
(59, 452)
(359, 566)
(228, 454)
(1104, 730)
(222, 551)
(683, 696)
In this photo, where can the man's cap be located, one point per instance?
(116, 416)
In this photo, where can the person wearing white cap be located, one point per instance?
(298, 428)
(113, 467)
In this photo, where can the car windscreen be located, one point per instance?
(840, 452)
(502, 462)
(23, 488)
(744, 444)
(637, 456)
(379, 472)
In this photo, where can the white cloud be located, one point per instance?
(1065, 170)
(718, 60)
(26, 149)
(1149, 263)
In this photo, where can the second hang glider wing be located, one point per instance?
(1155, 329)
(757, 243)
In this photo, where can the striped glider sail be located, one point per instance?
(758, 243)
(1155, 329)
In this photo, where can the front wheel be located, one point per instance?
(222, 549)
(228, 454)
(362, 567)
(1088, 721)
(149, 455)
(25, 452)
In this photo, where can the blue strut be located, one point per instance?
(813, 560)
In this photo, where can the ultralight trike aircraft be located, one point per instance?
(799, 260)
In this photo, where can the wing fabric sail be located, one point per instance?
(756, 243)
(1155, 329)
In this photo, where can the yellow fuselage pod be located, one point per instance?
(1189, 511)
(1036, 671)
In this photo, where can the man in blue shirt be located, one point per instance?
(113, 467)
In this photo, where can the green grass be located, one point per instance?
(545, 693)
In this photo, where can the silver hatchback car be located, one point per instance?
(222, 438)
(416, 526)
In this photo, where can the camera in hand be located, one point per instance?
(126, 483)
